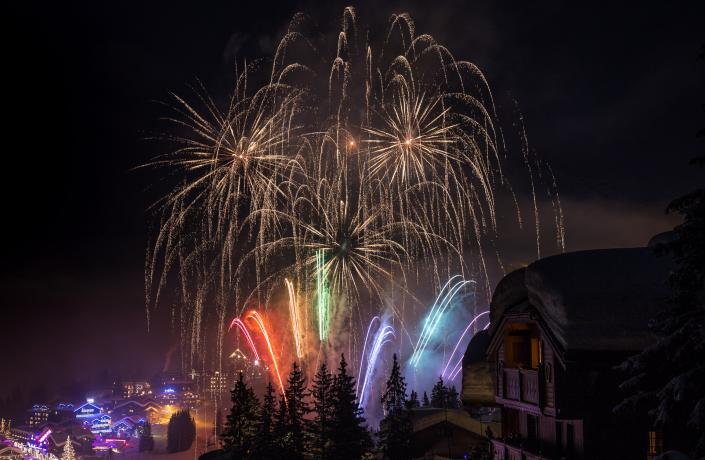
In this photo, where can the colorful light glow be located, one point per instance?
(295, 322)
(322, 296)
(362, 356)
(240, 325)
(384, 335)
(462, 336)
(439, 307)
(254, 315)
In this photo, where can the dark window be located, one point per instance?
(570, 438)
(532, 427)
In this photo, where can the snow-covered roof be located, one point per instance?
(599, 300)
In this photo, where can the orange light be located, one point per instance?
(258, 319)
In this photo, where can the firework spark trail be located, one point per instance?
(456, 370)
(238, 322)
(441, 304)
(254, 315)
(295, 321)
(362, 356)
(462, 336)
(322, 296)
(384, 335)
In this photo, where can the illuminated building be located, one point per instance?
(559, 328)
(135, 388)
(218, 385)
(88, 411)
(38, 415)
(10, 453)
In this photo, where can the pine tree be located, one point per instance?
(666, 381)
(241, 427)
(68, 452)
(322, 398)
(350, 438)
(396, 428)
(265, 446)
(426, 402)
(181, 432)
(439, 394)
(281, 435)
(452, 398)
(413, 401)
(297, 409)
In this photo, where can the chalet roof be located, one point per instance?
(597, 300)
(477, 348)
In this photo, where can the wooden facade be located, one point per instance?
(555, 405)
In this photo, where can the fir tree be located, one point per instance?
(413, 401)
(349, 437)
(241, 427)
(265, 445)
(667, 380)
(396, 428)
(297, 409)
(181, 432)
(452, 398)
(281, 435)
(320, 430)
(426, 402)
(68, 453)
(439, 394)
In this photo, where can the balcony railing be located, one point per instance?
(521, 385)
(505, 451)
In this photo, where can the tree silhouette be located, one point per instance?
(242, 422)
(265, 445)
(322, 397)
(395, 428)
(349, 437)
(181, 432)
(297, 410)
(667, 379)
(439, 394)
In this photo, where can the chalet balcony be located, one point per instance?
(521, 385)
(502, 450)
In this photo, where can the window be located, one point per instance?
(655, 443)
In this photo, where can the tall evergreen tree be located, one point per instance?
(426, 402)
(396, 428)
(281, 434)
(439, 394)
(265, 445)
(297, 409)
(322, 397)
(667, 380)
(350, 438)
(242, 422)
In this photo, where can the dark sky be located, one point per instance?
(611, 94)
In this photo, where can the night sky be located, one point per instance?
(611, 95)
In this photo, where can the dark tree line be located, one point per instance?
(667, 380)
(323, 422)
